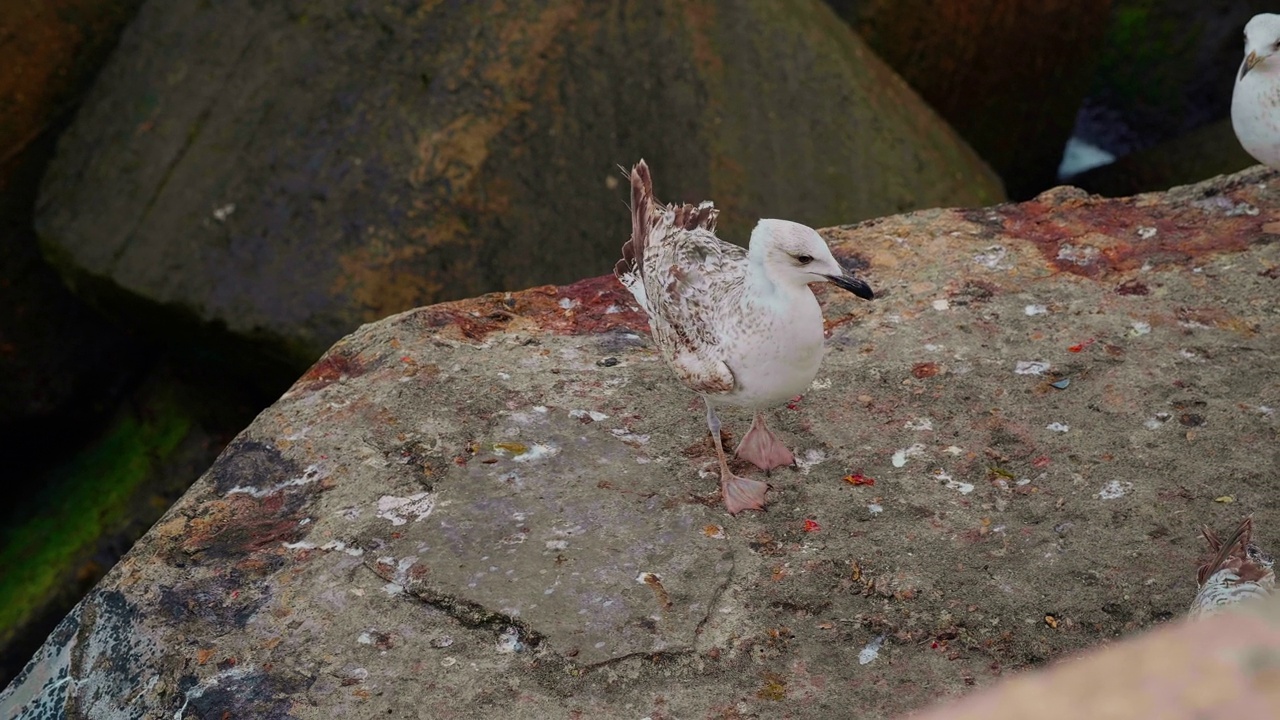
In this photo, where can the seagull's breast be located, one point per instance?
(1255, 115)
(776, 351)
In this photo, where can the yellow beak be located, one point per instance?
(1250, 60)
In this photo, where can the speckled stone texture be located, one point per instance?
(506, 506)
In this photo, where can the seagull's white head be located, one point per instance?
(795, 255)
(1261, 42)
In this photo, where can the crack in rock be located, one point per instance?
(577, 547)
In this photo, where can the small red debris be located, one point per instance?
(794, 403)
(859, 479)
(1132, 287)
(811, 525)
(1081, 346)
(925, 370)
(1041, 461)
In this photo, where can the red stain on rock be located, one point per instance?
(1095, 237)
(329, 369)
(242, 526)
(588, 306)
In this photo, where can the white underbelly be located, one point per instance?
(1255, 117)
(771, 373)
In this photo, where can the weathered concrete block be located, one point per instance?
(451, 513)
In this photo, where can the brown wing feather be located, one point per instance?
(693, 217)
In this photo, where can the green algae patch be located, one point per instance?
(88, 500)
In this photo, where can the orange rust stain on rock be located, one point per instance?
(383, 279)
(1216, 317)
(52, 50)
(1097, 237)
(456, 152)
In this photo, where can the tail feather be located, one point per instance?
(642, 204)
(1235, 545)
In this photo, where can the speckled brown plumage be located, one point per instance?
(1236, 571)
(683, 271)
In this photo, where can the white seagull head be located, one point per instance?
(1261, 41)
(796, 255)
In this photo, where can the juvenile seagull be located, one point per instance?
(739, 327)
(1238, 571)
(1255, 102)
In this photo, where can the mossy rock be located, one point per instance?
(85, 511)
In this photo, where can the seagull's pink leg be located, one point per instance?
(762, 448)
(739, 493)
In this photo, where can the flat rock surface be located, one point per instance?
(507, 506)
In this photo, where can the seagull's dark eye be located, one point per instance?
(804, 259)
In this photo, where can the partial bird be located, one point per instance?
(1238, 570)
(1255, 102)
(739, 327)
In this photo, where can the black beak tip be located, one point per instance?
(853, 285)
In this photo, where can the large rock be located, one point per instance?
(1008, 75)
(1166, 67)
(1204, 152)
(56, 356)
(286, 171)
(507, 505)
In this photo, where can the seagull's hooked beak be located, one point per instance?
(852, 284)
(1253, 58)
